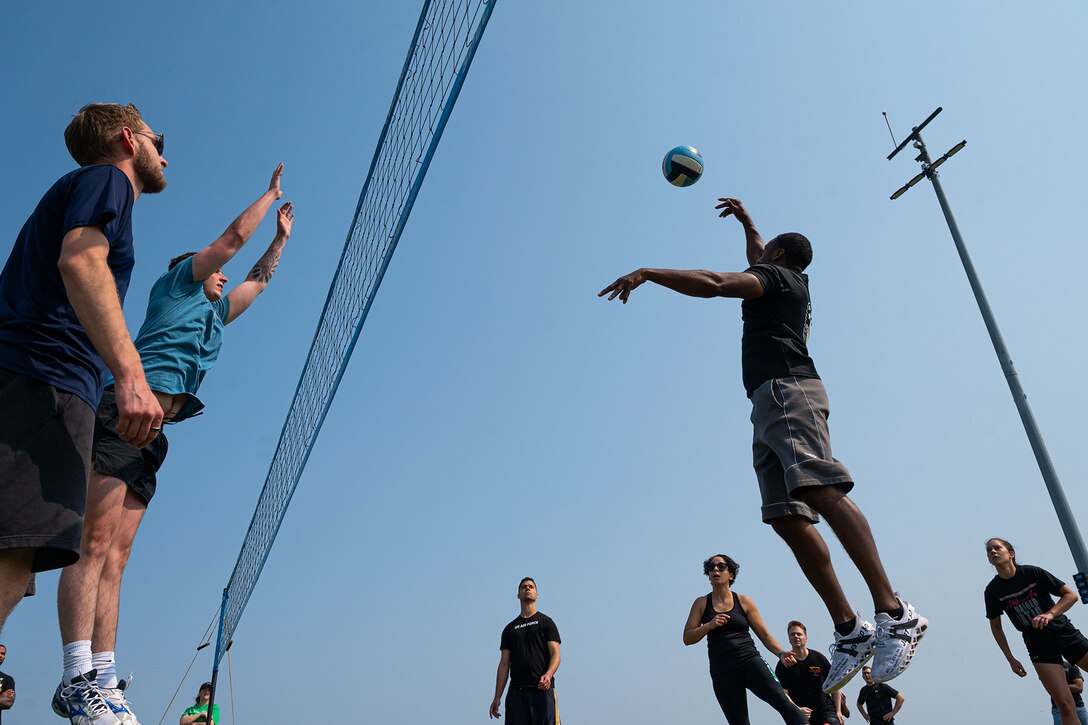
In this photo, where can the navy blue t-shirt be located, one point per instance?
(40, 334)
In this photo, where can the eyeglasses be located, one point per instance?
(720, 566)
(159, 142)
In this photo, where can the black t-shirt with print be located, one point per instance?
(776, 325)
(804, 681)
(879, 699)
(1027, 594)
(526, 638)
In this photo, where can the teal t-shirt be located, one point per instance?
(197, 709)
(180, 339)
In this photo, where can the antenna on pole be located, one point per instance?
(1020, 398)
(885, 114)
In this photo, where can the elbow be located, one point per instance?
(73, 267)
(233, 239)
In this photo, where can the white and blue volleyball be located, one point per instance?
(682, 166)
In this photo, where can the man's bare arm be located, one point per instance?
(553, 665)
(691, 282)
(242, 296)
(500, 683)
(222, 250)
(753, 242)
(92, 292)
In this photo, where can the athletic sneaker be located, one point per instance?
(849, 654)
(115, 698)
(895, 641)
(82, 702)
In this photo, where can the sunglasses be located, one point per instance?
(719, 566)
(159, 142)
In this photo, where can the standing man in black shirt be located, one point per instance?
(530, 657)
(803, 681)
(875, 700)
(799, 479)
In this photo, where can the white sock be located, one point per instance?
(77, 660)
(105, 664)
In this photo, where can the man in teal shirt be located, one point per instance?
(178, 343)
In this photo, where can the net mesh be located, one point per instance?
(445, 41)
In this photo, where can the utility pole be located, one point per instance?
(1050, 476)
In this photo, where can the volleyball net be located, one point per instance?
(445, 42)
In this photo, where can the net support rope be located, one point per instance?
(446, 38)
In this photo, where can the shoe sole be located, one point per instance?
(846, 680)
(922, 628)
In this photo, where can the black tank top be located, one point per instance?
(731, 644)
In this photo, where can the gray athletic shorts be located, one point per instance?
(791, 448)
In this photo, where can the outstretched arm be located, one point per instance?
(753, 242)
(692, 282)
(242, 296)
(759, 629)
(222, 250)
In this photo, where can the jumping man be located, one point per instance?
(798, 478)
(178, 343)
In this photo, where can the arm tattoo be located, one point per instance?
(266, 266)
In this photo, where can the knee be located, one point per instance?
(15, 566)
(791, 527)
(820, 497)
(95, 545)
(117, 560)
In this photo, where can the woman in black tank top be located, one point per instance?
(727, 619)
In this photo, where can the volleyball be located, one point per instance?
(682, 166)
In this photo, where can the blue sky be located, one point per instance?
(498, 420)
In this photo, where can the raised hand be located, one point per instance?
(733, 207)
(284, 218)
(274, 184)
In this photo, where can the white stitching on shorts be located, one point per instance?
(786, 415)
(816, 425)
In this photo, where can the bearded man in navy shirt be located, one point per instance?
(61, 328)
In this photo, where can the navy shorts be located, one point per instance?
(530, 706)
(45, 451)
(111, 456)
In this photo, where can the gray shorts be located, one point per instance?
(791, 448)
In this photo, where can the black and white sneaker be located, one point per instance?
(895, 642)
(849, 654)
